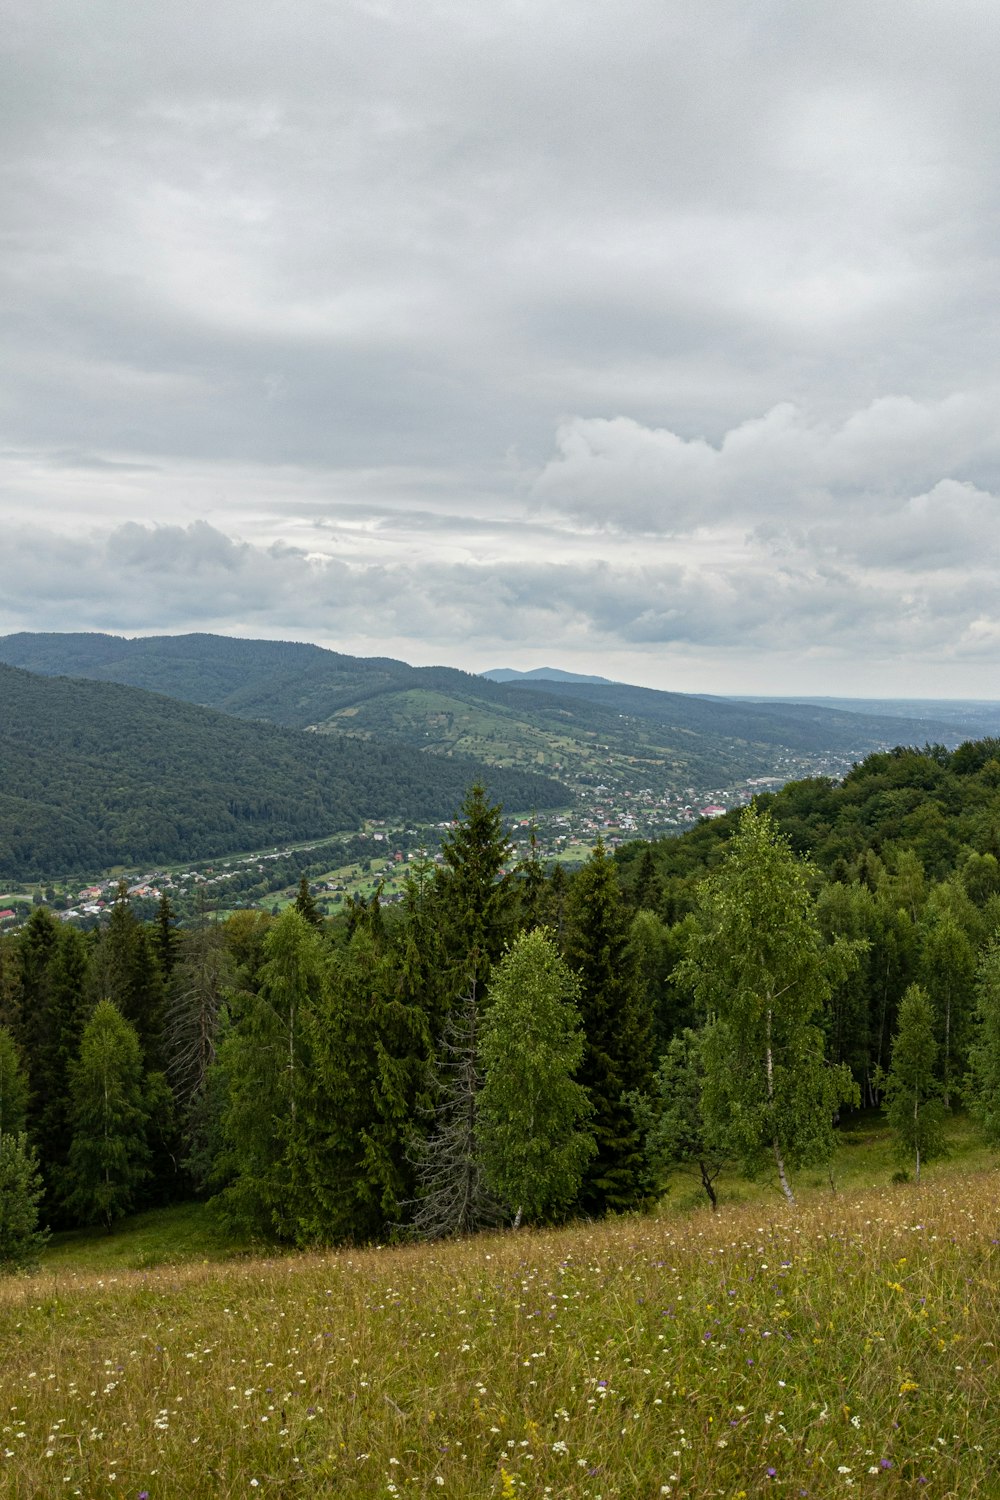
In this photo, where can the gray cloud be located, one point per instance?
(659, 335)
(195, 577)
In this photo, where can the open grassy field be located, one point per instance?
(849, 1346)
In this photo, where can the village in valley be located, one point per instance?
(381, 856)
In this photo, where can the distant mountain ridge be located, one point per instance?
(541, 674)
(585, 733)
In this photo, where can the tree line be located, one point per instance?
(507, 1044)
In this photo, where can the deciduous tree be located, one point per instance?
(108, 1157)
(913, 1103)
(761, 973)
(533, 1115)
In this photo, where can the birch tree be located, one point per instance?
(533, 1115)
(761, 973)
(913, 1102)
(109, 1156)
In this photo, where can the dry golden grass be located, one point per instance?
(848, 1347)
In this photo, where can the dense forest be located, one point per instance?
(511, 1043)
(652, 735)
(94, 775)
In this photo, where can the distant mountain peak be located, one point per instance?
(542, 674)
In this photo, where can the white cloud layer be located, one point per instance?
(659, 337)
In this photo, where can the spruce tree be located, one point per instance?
(531, 887)
(370, 1049)
(37, 946)
(617, 1059)
(647, 888)
(67, 1011)
(678, 1134)
(20, 1196)
(167, 940)
(108, 1156)
(421, 958)
(10, 983)
(475, 907)
(13, 1086)
(477, 902)
(532, 1115)
(305, 904)
(264, 1060)
(127, 972)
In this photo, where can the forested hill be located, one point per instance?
(284, 681)
(942, 806)
(95, 774)
(648, 735)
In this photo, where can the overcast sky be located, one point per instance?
(656, 338)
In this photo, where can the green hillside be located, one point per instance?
(941, 806)
(96, 774)
(587, 733)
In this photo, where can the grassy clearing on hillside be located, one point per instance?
(161, 1236)
(848, 1347)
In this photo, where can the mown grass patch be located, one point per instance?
(848, 1347)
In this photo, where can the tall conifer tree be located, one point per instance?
(265, 1062)
(617, 1025)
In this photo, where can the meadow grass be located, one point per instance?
(848, 1346)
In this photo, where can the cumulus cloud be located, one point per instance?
(621, 474)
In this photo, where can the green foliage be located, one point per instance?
(657, 951)
(13, 1087)
(913, 1104)
(370, 1052)
(947, 972)
(21, 1192)
(305, 904)
(984, 1059)
(617, 1060)
(532, 1114)
(761, 973)
(678, 1134)
(126, 971)
(476, 897)
(171, 782)
(265, 1062)
(108, 1156)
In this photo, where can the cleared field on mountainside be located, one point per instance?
(849, 1346)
